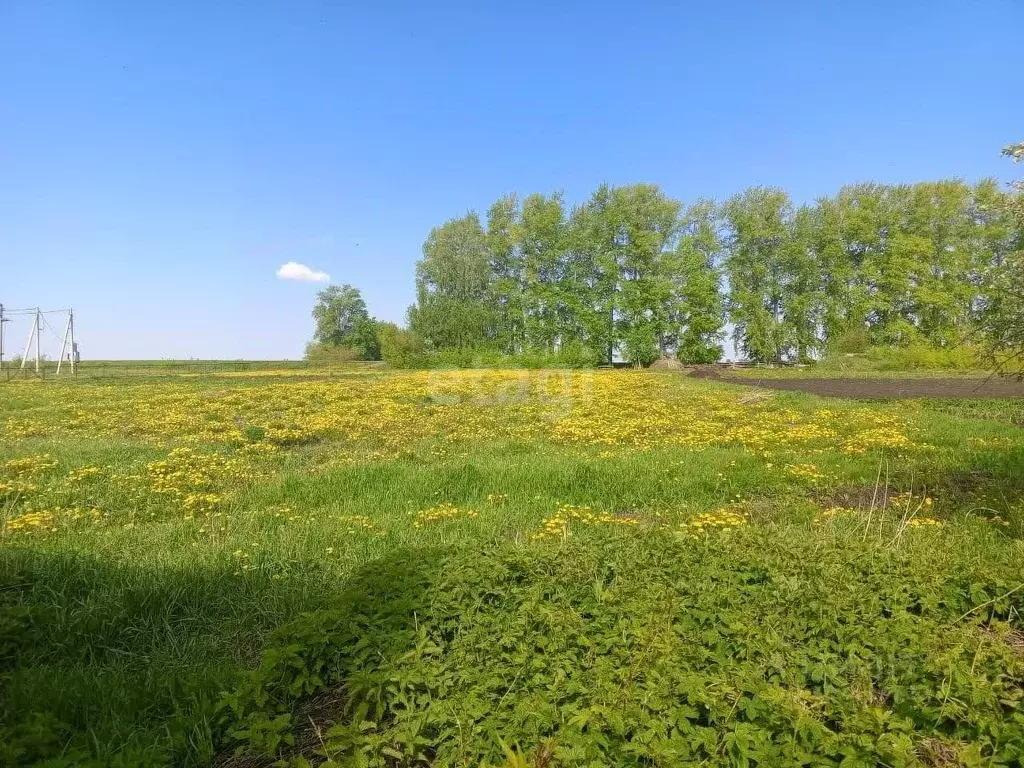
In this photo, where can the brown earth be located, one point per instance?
(880, 388)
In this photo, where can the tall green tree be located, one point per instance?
(755, 266)
(587, 283)
(454, 307)
(995, 229)
(645, 223)
(801, 280)
(1002, 319)
(697, 309)
(542, 232)
(342, 321)
(865, 222)
(943, 290)
(838, 274)
(508, 286)
(592, 271)
(893, 256)
(616, 269)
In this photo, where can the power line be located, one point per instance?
(39, 321)
(51, 329)
(33, 311)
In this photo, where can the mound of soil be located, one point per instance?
(667, 364)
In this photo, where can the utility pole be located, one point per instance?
(39, 318)
(69, 331)
(74, 349)
(2, 321)
(64, 343)
(28, 344)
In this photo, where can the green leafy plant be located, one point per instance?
(651, 650)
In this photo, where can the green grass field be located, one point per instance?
(513, 568)
(837, 371)
(918, 362)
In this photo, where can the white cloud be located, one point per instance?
(292, 270)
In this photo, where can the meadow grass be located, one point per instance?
(186, 561)
(834, 370)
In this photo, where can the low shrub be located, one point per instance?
(739, 648)
(570, 357)
(905, 358)
(854, 341)
(925, 357)
(325, 354)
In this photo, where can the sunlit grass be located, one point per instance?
(155, 532)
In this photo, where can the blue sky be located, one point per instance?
(159, 164)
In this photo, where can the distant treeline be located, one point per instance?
(636, 275)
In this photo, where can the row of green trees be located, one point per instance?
(634, 274)
(1003, 322)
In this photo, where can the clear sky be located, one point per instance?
(160, 161)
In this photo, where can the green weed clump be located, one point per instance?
(745, 647)
(906, 359)
(926, 357)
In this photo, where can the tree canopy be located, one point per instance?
(632, 274)
(1004, 316)
(343, 322)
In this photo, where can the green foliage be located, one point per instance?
(924, 357)
(914, 357)
(1003, 319)
(508, 290)
(328, 354)
(541, 234)
(758, 220)
(638, 650)
(643, 224)
(400, 347)
(853, 341)
(453, 287)
(697, 307)
(632, 275)
(572, 355)
(343, 322)
(602, 279)
(116, 636)
(365, 339)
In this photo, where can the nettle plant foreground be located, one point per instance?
(506, 568)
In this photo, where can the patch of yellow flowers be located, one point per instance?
(442, 511)
(30, 465)
(191, 477)
(232, 432)
(83, 473)
(723, 518)
(833, 513)
(357, 523)
(41, 520)
(561, 523)
(393, 412)
(846, 513)
(804, 471)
